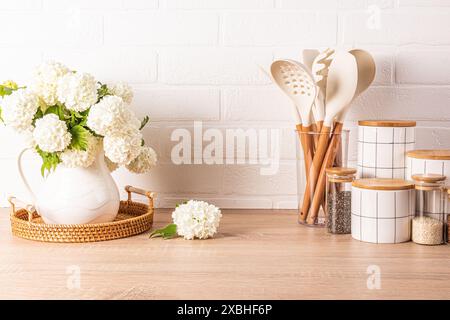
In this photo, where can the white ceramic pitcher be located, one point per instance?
(76, 195)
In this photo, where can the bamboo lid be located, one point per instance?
(383, 184)
(437, 154)
(430, 178)
(340, 171)
(387, 123)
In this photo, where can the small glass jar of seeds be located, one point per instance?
(428, 224)
(339, 199)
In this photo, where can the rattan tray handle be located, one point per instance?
(148, 194)
(17, 203)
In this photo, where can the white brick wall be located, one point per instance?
(198, 60)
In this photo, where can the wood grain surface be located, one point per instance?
(259, 254)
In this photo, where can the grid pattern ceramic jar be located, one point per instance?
(382, 210)
(382, 147)
(428, 162)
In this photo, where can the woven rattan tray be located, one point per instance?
(133, 218)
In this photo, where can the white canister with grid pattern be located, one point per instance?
(382, 148)
(382, 210)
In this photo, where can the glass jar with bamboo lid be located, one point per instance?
(339, 199)
(428, 225)
(447, 214)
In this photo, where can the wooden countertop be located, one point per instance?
(259, 254)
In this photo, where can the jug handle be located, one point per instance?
(22, 176)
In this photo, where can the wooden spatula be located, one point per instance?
(366, 70)
(341, 87)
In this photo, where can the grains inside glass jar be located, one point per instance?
(426, 230)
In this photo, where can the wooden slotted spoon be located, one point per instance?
(295, 80)
(341, 86)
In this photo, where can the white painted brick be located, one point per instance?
(288, 202)
(423, 67)
(12, 184)
(81, 4)
(413, 103)
(177, 179)
(384, 66)
(309, 5)
(280, 28)
(178, 103)
(218, 4)
(265, 104)
(424, 3)
(12, 142)
(247, 180)
(17, 64)
(399, 27)
(287, 141)
(432, 138)
(140, 4)
(221, 202)
(20, 4)
(128, 64)
(165, 28)
(31, 29)
(364, 4)
(214, 66)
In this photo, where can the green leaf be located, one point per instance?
(56, 109)
(5, 91)
(168, 232)
(1, 119)
(80, 136)
(144, 122)
(179, 204)
(39, 114)
(102, 91)
(49, 160)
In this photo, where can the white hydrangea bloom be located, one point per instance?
(122, 90)
(45, 80)
(146, 159)
(19, 108)
(124, 147)
(196, 219)
(51, 134)
(73, 158)
(78, 91)
(110, 116)
(111, 165)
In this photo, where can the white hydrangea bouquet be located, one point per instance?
(67, 115)
(192, 220)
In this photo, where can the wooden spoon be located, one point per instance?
(366, 70)
(341, 87)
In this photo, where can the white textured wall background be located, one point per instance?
(197, 60)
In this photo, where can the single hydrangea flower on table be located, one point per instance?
(192, 220)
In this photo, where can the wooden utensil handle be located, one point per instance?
(308, 149)
(328, 162)
(314, 171)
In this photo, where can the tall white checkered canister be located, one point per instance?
(382, 148)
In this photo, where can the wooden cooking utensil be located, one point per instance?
(308, 57)
(341, 87)
(295, 80)
(366, 70)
